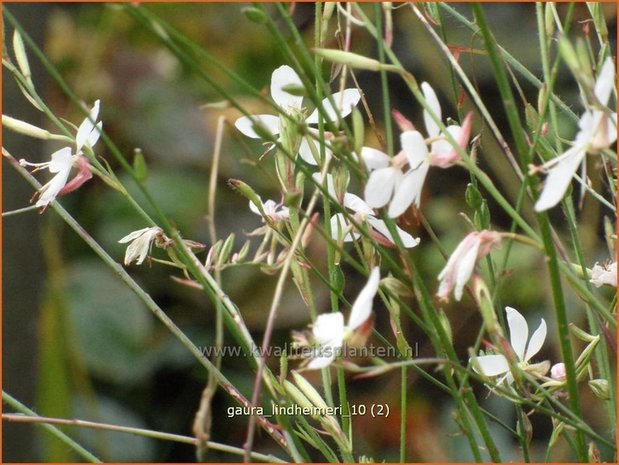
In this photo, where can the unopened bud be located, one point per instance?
(20, 56)
(600, 388)
(296, 395)
(352, 59)
(557, 372)
(28, 129)
(310, 392)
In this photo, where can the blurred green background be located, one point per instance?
(77, 343)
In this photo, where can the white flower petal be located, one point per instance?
(328, 329)
(415, 148)
(87, 127)
(362, 308)
(407, 192)
(324, 360)
(601, 275)
(408, 241)
(305, 151)
(133, 235)
(245, 124)
(380, 186)
(356, 204)
(536, 342)
(339, 225)
(94, 136)
(465, 267)
(518, 331)
(50, 190)
(374, 159)
(559, 178)
(492, 365)
(60, 160)
(282, 77)
(344, 102)
(605, 82)
(432, 101)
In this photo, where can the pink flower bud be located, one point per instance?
(557, 372)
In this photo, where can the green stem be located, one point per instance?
(47, 421)
(17, 405)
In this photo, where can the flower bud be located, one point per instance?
(351, 59)
(310, 392)
(557, 372)
(20, 56)
(28, 129)
(296, 395)
(600, 388)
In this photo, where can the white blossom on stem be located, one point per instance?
(62, 161)
(285, 77)
(141, 244)
(597, 130)
(497, 364)
(461, 263)
(388, 183)
(362, 212)
(329, 329)
(604, 274)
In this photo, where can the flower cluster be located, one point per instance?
(63, 160)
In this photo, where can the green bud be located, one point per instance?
(139, 165)
(297, 396)
(352, 59)
(396, 286)
(442, 316)
(242, 254)
(246, 191)
(600, 388)
(293, 198)
(558, 427)
(226, 250)
(309, 391)
(473, 197)
(482, 216)
(28, 129)
(580, 334)
(486, 307)
(255, 15)
(21, 57)
(338, 279)
(542, 100)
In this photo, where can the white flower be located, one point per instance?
(284, 77)
(497, 364)
(141, 244)
(63, 160)
(461, 263)
(604, 274)
(597, 130)
(273, 210)
(362, 212)
(329, 330)
(388, 184)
